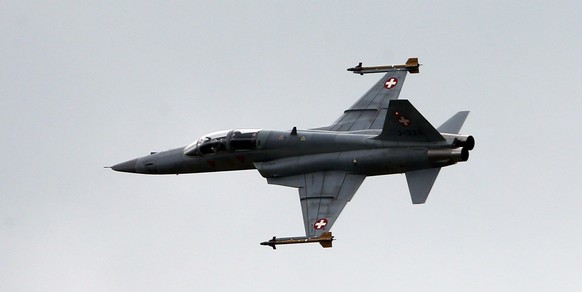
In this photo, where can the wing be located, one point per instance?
(369, 111)
(323, 196)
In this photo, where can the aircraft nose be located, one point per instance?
(128, 166)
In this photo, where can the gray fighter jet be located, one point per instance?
(377, 135)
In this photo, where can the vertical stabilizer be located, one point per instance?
(453, 125)
(404, 123)
(420, 183)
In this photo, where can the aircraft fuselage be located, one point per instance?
(284, 153)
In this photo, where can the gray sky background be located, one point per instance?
(87, 84)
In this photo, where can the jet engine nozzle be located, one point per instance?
(452, 155)
(464, 141)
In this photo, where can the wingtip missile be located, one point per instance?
(411, 66)
(325, 240)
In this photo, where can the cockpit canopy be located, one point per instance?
(223, 141)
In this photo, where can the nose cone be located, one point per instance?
(128, 166)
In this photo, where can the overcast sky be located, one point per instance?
(87, 84)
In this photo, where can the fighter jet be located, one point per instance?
(378, 135)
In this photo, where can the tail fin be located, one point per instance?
(326, 239)
(404, 123)
(453, 124)
(420, 183)
(412, 65)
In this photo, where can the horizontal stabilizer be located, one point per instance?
(420, 183)
(453, 124)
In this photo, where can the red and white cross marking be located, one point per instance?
(390, 83)
(320, 224)
(404, 121)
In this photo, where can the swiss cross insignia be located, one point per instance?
(320, 224)
(391, 83)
